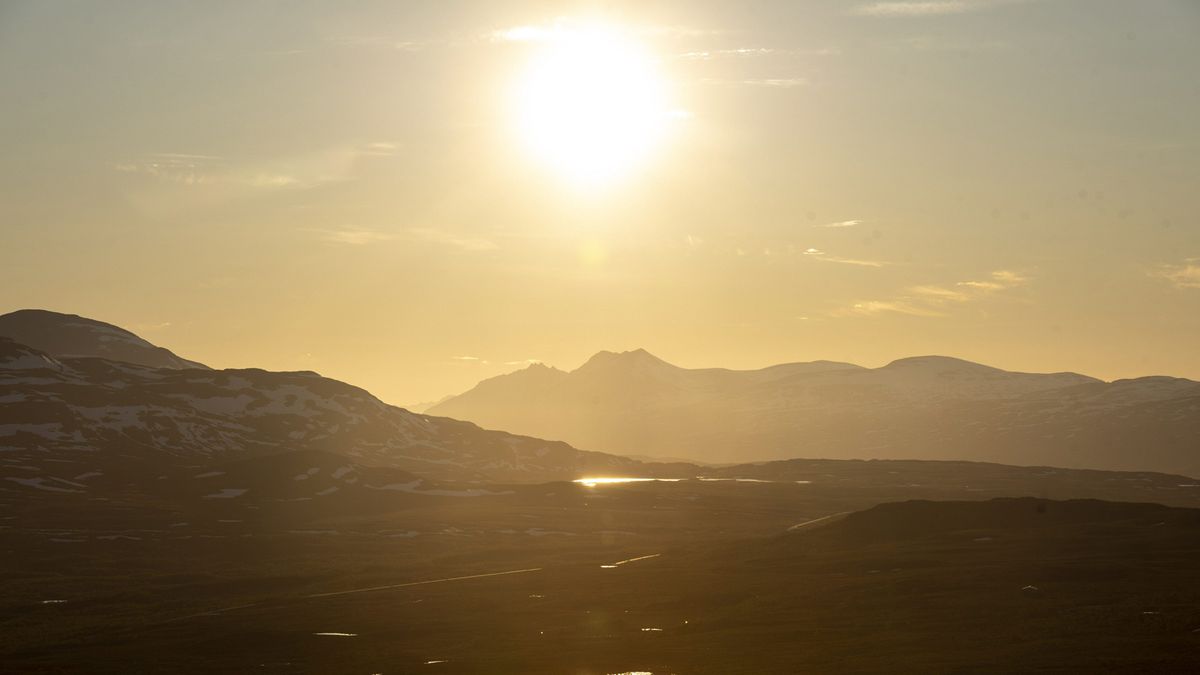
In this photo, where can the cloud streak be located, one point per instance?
(818, 254)
(329, 165)
(565, 29)
(356, 237)
(916, 8)
(467, 243)
(362, 237)
(934, 300)
(1183, 275)
(841, 223)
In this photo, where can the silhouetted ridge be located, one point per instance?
(70, 335)
(630, 359)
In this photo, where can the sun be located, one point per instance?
(591, 103)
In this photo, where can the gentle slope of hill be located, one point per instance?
(64, 417)
(68, 335)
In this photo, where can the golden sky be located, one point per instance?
(414, 196)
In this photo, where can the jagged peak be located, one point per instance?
(634, 356)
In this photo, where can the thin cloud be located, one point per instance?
(361, 237)
(871, 307)
(927, 7)
(564, 29)
(778, 83)
(464, 242)
(377, 42)
(841, 223)
(939, 294)
(745, 52)
(356, 237)
(302, 171)
(934, 300)
(469, 361)
(1000, 280)
(913, 8)
(818, 254)
(380, 149)
(148, 327)
(1184, 275)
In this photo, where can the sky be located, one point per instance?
(387, 193)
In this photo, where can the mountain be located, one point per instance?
(926, 407)
(68, 335)
(66, 422)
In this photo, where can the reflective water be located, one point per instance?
(611, 480)
(593, 481)
(629, 560)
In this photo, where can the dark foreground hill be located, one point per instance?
(66, 422)
(648, 578)
(69, 335)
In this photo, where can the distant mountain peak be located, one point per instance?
(628, 358)
(939, 362)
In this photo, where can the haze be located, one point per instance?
(342, 188)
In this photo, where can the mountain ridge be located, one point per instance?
(71, 335)
(920, 407)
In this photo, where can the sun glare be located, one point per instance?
(591, 104)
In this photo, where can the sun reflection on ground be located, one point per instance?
(593, 481)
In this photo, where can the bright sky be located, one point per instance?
(414, 196)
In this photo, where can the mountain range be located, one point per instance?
(77, 415)
(926, 407)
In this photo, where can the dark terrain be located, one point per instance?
(1002, 585)
(181, 519)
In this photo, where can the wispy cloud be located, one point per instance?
(356, 237)
(360, 237)
(769, 82)
(150, 327)
(934, 300)
(566, 28)
(938, 294)
(841, 223)
(469, 243)
(778, 82)
(913, 8)
(870, 307)
(747, 52)
(908, 8)
(1183, 275)
(717, 53)
(307, 170)
(999, 280)
(377, 42)
(818, 254)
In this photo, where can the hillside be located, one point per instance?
(69, 335)
(66, 420)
